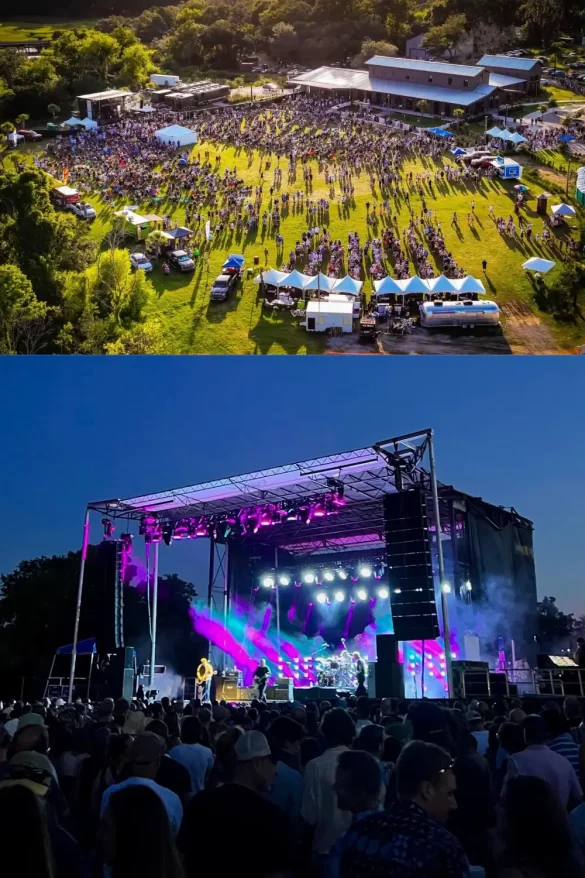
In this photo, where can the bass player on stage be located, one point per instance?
(261, 675)
(204, 674)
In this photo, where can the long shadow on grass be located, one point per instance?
(279, 328)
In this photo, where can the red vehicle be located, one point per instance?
(30, 135)
(63, 196)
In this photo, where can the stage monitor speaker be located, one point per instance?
(110, 619)
(388, 676)
(278, 693)
(410, 569)
(128, 673)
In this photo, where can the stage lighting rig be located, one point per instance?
(321, 598)
(383, 593)
(362, 594)
(284, 580)
(328, 576)
(150, 528)
(268, 582)
(342, 574)
(339, 596)
(309, 578)
(365, 571)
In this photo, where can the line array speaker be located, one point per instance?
(410, 571)
(110, 622)
(388, 677)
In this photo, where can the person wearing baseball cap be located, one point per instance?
(240, 804)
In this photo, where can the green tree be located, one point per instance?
(18, 308)
(422, 106)
(543, 20)
(135, 66)
(54, 110)
(554, 626)
(21, 120)
(6, 128)
(458, 114)
(373, 47)
(444, 37)
(143, 338)
(284, 41)
(98, 54)
(124, 36)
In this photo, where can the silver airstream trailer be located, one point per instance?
(440, 314)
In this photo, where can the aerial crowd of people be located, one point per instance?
(355, 788)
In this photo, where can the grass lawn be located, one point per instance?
(559, 94)
(419, 121)
(240, 326)
(37, 28)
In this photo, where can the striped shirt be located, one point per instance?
(565, 745)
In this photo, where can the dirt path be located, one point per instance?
(522, 333)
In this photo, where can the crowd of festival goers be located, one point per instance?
(356, 788)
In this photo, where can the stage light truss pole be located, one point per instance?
(277, 601)
(444, 603)
(154, 611)
(226, 594)
(78, 605)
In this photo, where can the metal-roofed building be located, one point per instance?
(527, 70)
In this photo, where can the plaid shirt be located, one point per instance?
(401, 842)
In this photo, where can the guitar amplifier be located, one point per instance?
(282, 692)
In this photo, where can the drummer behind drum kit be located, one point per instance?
(338, 671)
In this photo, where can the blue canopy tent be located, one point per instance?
(457, 151)
(234, 262)
(566, 138)
(440, 132)
(84, 647)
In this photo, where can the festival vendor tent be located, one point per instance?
(536, 263)
(320, 282)
(272, 277)
(88, 123)
(469, 285)
(414, 284)
(516, 138)
(348, 285)
(566, 138)
(176, 135)
(507, 168)
(70, 123)
(387, 285)
(457, 151)
(440, 132)
(441, 284)
(495, 131)
(295, 279)
(234, 262)
(563, 210)
(84, 647)
(324, 315)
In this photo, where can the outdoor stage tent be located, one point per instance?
(230, 513)
(176, 135)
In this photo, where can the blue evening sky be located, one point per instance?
(511, 430)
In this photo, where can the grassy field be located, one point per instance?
(241, 326)
(36, 28)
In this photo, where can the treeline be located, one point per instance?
(82, 9)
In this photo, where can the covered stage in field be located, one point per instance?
(313, 562)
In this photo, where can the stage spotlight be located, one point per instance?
(268, 581)
(167, 533)
(284, 580)
(365, 571)
(329, 576)
(309, 578)
(383, 593)
(108, 528)
(468, 586)
(397, 591)
(342, 574)
(446, 588)
(339, 596)
(321, 598)
(362, 594)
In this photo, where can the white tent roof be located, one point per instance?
(72, 121)
(295, 279)
(320, 282)
(469, 284)
(536, 263)
(415, 284)
(516, 138)
(348, 285)
(441, 284)
(177, 132)
(88, 123)
(563, 210)
(387, 285)
(271, 276)
(326, 307)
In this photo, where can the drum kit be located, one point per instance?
(337, 671)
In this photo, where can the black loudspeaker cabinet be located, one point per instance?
(410, 570)
(388, 677)
(109, 632)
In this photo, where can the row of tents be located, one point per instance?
(505, 135)
(299, 281)
(350, 286)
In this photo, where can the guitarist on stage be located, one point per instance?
(204, 674)
(261, 675)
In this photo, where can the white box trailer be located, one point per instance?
(325, 315)
(165, 80)
(441, 314)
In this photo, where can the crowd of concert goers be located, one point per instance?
(355, 788)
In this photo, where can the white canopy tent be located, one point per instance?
(387, 285)
(272, 277)
(73, 120)
(441, 284)
(347, 285)
(537, 263)
(320, 282)
(176, 135)
(295, 279)
(88, 123)
(414, 284)
(469, 284)
(563, 210)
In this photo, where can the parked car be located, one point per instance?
(222, 286)
(181, 260)
(140, 262)
(82, 209)
(29, 135)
